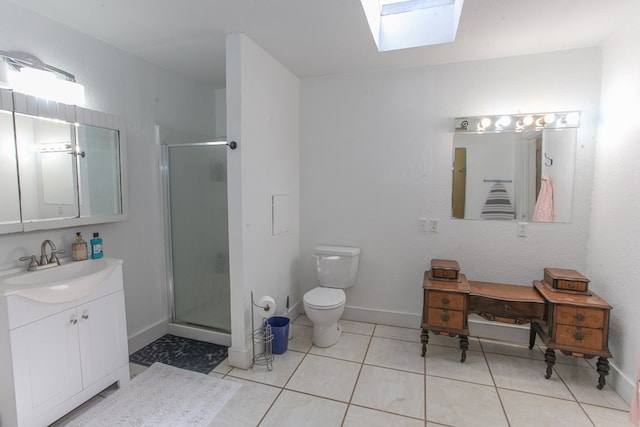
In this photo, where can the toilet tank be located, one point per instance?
(337, 266)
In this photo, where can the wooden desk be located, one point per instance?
(447, 306)
(576, 324)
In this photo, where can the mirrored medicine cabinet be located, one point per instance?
(514, 167)
(60, 165)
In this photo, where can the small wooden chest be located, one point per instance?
(445, 269)
(566, 280)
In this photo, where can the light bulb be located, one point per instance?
(573, 118)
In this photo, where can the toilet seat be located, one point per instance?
(324, 298)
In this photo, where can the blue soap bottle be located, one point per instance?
(96, 246)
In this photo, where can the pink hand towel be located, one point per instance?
(543, 211)
(634, 413)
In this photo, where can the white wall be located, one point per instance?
(263, 118)
(376, 156)
(614, 250)
(143, 95)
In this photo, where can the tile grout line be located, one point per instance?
(355, 384)
(495, 386)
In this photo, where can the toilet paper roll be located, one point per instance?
(266, 307)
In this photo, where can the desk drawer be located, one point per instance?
(580, 316)
(443, 318)
(570, 285)
(449, 300)
(575, 336)
(508, 309)
(444, 274)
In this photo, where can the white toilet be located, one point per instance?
(337, 268)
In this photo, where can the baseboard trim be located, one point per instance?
(624, 385)
(481, 328)
(200, 334)
(383, 317)
(240, 357)
(294, 311)
(148, 335)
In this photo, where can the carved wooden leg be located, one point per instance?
(532, 336)
(424, 338)
(464, 345)
(550, 359)
(603, 370)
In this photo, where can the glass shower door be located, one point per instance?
(199, 243)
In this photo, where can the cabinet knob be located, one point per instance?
(579, 336)
(445, 301)
(580, 317)
(444, 316)
(73, 321)
(85, 316)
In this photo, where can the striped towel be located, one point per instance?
(498, 204)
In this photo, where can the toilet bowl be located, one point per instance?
(323, 307)
(337, 268)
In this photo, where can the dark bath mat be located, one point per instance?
(185, 353)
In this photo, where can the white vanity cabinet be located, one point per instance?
(56, 356)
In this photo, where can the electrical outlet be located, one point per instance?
(434, 224)
(522, 229)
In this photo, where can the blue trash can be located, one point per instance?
(280, 331)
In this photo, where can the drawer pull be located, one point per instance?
(73, 321)
(507, 307)
(572, 286)
(580, 317)
(445, 301)
(444, 316)
(579, 336)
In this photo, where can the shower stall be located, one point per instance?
(197, 243)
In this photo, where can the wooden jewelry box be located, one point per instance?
(445, 269)
(565, 280)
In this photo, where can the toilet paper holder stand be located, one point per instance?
(263, 337)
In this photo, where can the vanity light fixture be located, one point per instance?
(402, 24)
(517, 122)
(25, 73)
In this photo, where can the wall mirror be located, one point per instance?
(61, 165)
(10, 206)
(517, 167)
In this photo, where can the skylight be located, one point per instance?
(402, 24)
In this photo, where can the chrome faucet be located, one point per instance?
(45, 262)
(54, 253)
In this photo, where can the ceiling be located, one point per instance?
(323, 37)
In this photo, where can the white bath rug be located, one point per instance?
(161, 396)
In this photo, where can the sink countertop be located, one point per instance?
(70, 280)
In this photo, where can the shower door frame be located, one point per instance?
(201, 332)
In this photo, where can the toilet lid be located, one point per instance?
(324, 298)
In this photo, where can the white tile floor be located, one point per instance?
(375, 376)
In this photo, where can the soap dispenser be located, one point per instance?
(96, 246)
(79, 251)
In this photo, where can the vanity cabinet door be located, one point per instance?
(103, 337)
(46, 364)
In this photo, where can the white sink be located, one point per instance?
(69, 281)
